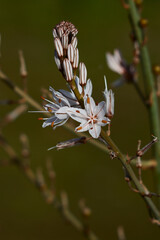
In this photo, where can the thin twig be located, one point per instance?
(39, 181)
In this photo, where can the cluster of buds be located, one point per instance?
(66, 52)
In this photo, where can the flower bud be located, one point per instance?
(156, 70)
(76, 58)
(60, 31)
(74, 42)
(68, 71)
(110, 104)
(82, 74)
(58, 47)
(65, 41)
(70, 53)
(143, 23)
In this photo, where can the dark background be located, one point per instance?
(85, 171)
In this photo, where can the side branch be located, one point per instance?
(148, 82)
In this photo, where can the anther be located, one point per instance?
(79, 128)
(88, 100)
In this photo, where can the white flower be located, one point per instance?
(61, 103)
(118, 64)
(109, 97)
(91, 118)
(115, 62)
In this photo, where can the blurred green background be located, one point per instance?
(85, 171)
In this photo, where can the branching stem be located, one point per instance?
(148, 82)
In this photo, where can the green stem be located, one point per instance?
(142, 190)
(120, 156)
(135, 180)
(149, 84)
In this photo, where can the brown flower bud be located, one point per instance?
(74, 42)
(82, 74)
(76, 58)
(68, 71)
(58, 47)
(65, 41)
(70, 53)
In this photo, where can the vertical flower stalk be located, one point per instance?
(148, 82)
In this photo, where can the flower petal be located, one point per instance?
(53, 107)
(49, 121)
(60, 122)
(88, 88)
(106, 88)
(103, 121)
(70, 97)
(61, 113)
(100, 109)
(59, 98)
(78, 85)
(89, 105)
(113, 64)
(85, 126)
(110, 103)
(77, 114)
(118, 56)
(95, 131)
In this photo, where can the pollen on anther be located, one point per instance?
(40, 118)
(59, 100)
(52, 124)
(42, 98)
(104, 121)
(88, 100)
(79, 128)
(77, 111)
(49, 110)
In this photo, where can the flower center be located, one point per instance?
(93, 119)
